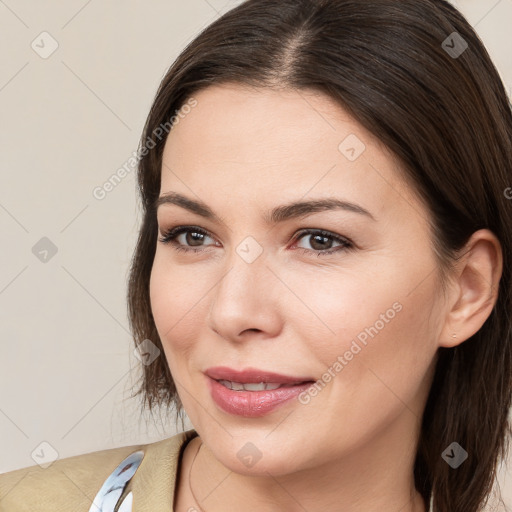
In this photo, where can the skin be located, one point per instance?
(243, 151)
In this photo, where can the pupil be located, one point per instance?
(323, 238)
(194, 237)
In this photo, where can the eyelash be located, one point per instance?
(171, 234)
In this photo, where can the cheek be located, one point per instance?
(178, 299)
(378, 319)
(374, 365)
(332, 305)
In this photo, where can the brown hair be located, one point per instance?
(447, 118)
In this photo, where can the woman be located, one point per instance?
(322, 277)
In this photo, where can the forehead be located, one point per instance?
(260, 144)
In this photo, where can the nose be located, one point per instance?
(245, 301)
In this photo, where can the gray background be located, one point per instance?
(69, 121)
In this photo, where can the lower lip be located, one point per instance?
(252, 404)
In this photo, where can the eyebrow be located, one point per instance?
(279, 214)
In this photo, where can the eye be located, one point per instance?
(321, 241)
(192, 235)
(193, 238)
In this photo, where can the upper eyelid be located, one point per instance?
(181, 229)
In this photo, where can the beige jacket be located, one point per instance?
(71, 484)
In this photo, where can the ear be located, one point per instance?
(475, 288)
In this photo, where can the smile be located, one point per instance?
(253, 386)
(252, 393)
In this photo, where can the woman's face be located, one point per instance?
(356, 309)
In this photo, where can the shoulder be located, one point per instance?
(73, 482)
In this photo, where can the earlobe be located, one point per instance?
(474, 296)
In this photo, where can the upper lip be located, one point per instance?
(251, 375)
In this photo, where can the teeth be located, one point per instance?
(260, 387)
(250, 386)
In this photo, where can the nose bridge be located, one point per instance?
(246, 271)
(243, 297)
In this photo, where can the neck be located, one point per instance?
(375, 476)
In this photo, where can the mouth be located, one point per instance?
(254, 376)
(253, 392)
(255, 386)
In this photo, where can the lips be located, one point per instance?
(253, 392)
(253, 375)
